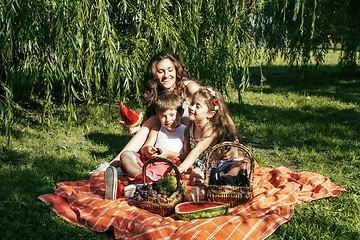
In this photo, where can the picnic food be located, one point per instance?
(242, 176)
(230, 192)
(130, 117)
(214, 174)
(144, 191)
(163, 188)
(163, 204)
(166, 185)
(203, 209)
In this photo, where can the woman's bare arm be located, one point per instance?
(138, 140)
(195, 153)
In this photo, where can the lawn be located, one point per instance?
(304, 120)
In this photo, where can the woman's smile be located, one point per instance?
(166, 74)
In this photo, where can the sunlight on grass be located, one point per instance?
(331, 58)
(306, 123)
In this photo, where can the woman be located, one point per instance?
(165, 71)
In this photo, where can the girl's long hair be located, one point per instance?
(152, 88)
(221, 124)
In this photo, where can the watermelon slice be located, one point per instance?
(202, 209)
(130, 117)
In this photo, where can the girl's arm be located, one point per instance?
(195, 153)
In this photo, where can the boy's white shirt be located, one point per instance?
(171, 140)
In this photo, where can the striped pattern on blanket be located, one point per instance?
(275, 193)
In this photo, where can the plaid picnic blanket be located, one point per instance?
(275, 193)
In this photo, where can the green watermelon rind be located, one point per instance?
(138, 122)
(211, 212)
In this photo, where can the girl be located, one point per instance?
(210, 124)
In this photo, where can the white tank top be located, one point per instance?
(171, 140)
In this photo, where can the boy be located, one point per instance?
(165, 142)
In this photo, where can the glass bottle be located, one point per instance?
(242, 177)
(214, 174)
(222, 178)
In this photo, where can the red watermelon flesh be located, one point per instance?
(196, 210)
(130, 117)
(195, 206)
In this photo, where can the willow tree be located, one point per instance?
(299, 28)
(68, 52)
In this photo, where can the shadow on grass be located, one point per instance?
(23, 179)
(327, 81)
(114, 142)
(319, 128)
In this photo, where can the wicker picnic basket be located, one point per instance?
(233, 195)
(159, 205)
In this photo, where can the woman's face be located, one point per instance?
(166, 74)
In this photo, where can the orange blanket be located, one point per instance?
(275, 193)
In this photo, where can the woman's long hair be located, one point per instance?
(152, 87)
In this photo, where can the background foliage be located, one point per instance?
(63, 52)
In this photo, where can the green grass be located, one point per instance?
(331, 58)
(303, 120)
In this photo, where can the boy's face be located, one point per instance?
(170, 119)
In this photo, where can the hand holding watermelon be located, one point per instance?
(130, 119)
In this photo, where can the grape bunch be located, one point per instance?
(163, 188)
(166, 185)
(145, 191)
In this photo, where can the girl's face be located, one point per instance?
(198, 110)
(166, 74)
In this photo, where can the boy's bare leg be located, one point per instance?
(138, 140)
(128, 161)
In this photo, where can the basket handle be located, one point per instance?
(232, 144)
(152, 160)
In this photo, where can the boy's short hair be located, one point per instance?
(168, 100)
